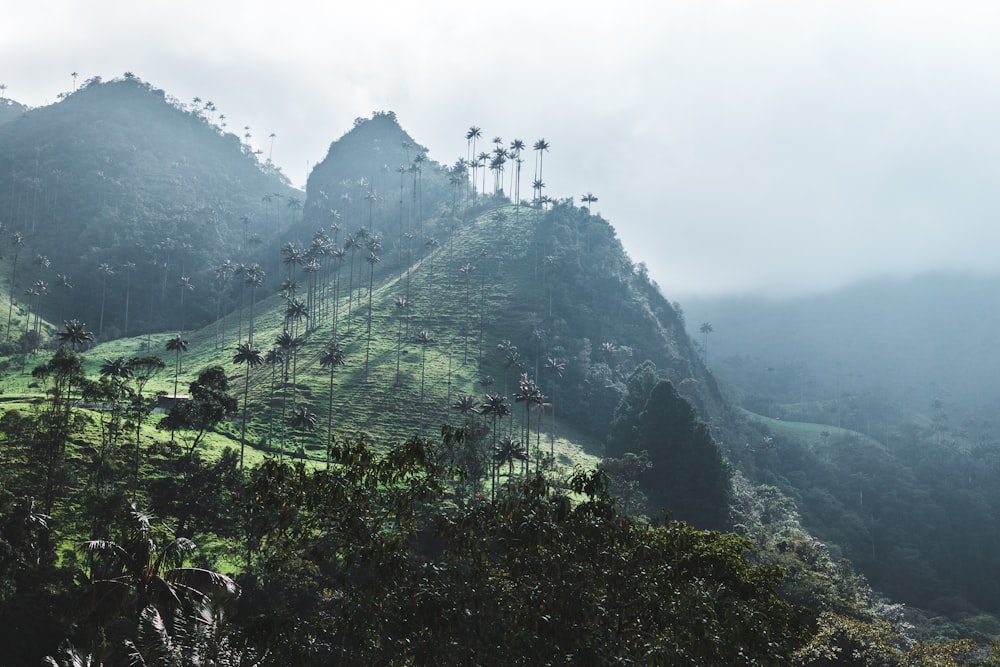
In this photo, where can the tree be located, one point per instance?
(496, 407)
(705, 329)
(589, 199)
(74, 334)
(332, 357)
(185, 286)
(16, 242)
(252, 358)
(507, 451)
(177, 345)
(209, 404)
(287, 345)
(689, 477)
(253, 277)
(401, 304)
(373, 259)
(529, 394)
(540, 146)
(128, 268)
(143, 369)
(145, 569)
(303, 419)
(105, 271)
(423, 339)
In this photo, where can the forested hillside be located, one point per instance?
(410, 419)
(117, 194)
(878, 416)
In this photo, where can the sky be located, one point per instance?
(780, 147)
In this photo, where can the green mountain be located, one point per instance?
(393, 299)
(876, 410)
(123, 191)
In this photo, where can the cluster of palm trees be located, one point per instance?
(496, 162)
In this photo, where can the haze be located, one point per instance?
(780, 147)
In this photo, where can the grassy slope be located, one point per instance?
(385, 410)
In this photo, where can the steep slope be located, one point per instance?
(120, 176)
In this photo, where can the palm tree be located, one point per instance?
(185, 286)
(332, 357)
(496, 407)
(74, 334)
(302, 420)
(251, 356)
(127, 269)
(705, 329)
(506, 451)
(177, 344)
(424, 339)
(557, 368)
(540, 147)
(589, 198)
(471, 136)
(351, 245)
(516, 147)
(537, 185)
(103, 270)
(143, 370)
(401, 304)
(529, 394)
(16, 241)
(273, 358)
(223, 272)
(253, 277)
(141, 572)
(373, 259)
(466, 270)
(287, 345)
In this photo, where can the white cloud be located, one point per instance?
(774, 145)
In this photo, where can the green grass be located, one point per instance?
(372, 402)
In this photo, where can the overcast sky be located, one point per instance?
(785, 146)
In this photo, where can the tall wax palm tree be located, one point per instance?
(705, 329)
(466, 270)
(251, 356)
(312, 268)
(177, 345)
(104, 270)
(223, 272)
(423, 339)
(337, 254)
(471, 136)
(554, 368)
(185, 286)
(127, 268)
(351, 244)
(143, 370)
(529, 394)
(516, 147)
(332, 357)
(274, 358)
(16, 242)
(401, 304)
(373, 259)
(482, 160)
(589, 199)
(287, 345)
(536, 186)
(253, 277)
(540, 147)
(496, 407)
